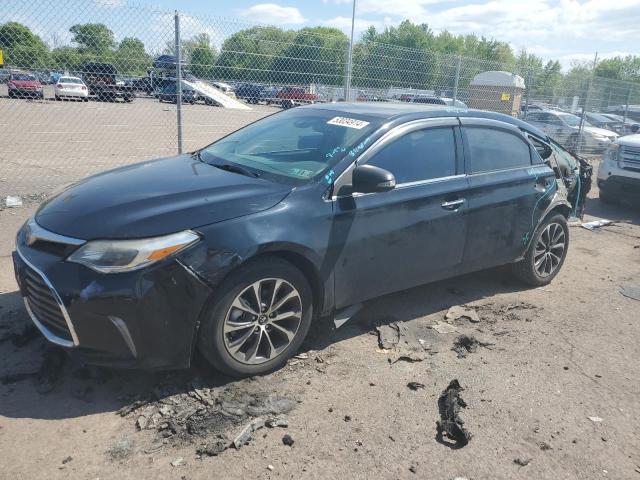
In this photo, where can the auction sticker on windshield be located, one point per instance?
(348, 122)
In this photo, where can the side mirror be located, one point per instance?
(370, 179)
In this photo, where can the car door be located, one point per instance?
(412, 234)
(507, 181)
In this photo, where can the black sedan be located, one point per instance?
(236, 248)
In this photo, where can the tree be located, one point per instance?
(316, 55)
(250, 54)
(131, 57)
(200, 55)
(21, 47)
(93, 38)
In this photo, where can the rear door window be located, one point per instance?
(492, 149)
(419, 155)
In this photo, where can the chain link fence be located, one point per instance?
(90, 85)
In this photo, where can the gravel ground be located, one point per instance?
(551, 389)
(48, 143)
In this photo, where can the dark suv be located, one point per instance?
(234, 249)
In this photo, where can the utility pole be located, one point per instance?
(586, 104)
(347, 80)
(455, 87)
(178, 80)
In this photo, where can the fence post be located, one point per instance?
(528, 92)
(626, 109)
(586, 104)
(455, 86)
(347, 80)
(178, 80)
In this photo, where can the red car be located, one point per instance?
(24, 85)
(292, 96)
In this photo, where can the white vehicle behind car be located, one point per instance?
(225, 88)
(619, 171)
(565, 129)
(71, 87)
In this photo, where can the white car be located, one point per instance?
(565, 127)
(71, 87)
(225, 88)
(619, 171)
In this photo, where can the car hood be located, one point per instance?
(155, 198)
(600, 131)
(629, 140)
(26, 83)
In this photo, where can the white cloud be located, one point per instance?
(110, 3)
(361, 24)
(274, 14)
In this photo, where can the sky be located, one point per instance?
(567, 30)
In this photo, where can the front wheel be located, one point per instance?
(257, 319)
(546, 253)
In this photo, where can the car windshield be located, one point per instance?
(599, 118)
(295, 146)
(70, 80)
(24, 77)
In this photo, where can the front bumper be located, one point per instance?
(142, 319)
(27, 92)
(627, 188)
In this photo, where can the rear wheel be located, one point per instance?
(257, 319)
(546, 253)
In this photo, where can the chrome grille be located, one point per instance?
(630, 157)
(44, 306)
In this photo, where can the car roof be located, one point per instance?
(402, 112)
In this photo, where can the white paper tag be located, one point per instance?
(348, 122)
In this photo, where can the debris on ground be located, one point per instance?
(462, 311)
(246, 434)
(415, 385)
(178, 462)
(466, 344)
(288, 440)
(443, 327)
(544, 446)
(205, 416)
(595, 419)
(630, 291)
(596, 224)
(13, 201)
(121, 450)
(523, 462)
(404, 342)
(449, 405)
(67, 460)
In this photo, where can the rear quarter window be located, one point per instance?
(492, 149)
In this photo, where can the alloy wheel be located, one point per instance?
(549, 249)
(262, 321)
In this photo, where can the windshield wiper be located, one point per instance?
(232, 167)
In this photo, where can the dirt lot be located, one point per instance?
(549, 359)
(47, 143)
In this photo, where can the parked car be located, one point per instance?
(24, 85)
(565, 127)
(623, 126)
(632, 111)
(225, 88)
(169, 93)
(71, 87)
(619, 171)
(103, 82)
(426, 99)
(369, 97)
(250, 92)
(601, 121)
(292, 96)
(234, 249)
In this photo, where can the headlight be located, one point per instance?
(114, 256)
(611, 154)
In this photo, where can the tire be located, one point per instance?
(526, 270)
(58, 98)
(215, 345)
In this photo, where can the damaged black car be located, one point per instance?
(234, 249)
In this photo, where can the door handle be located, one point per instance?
(453, 204)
